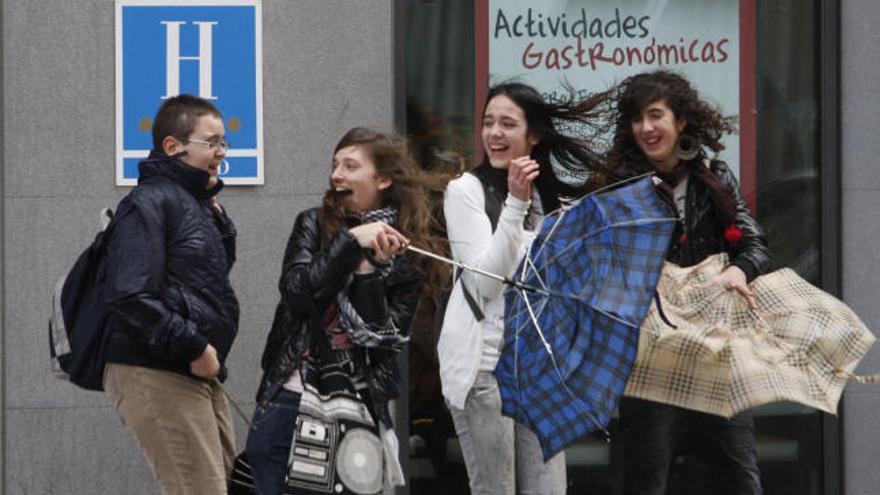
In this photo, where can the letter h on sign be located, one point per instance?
(173, 58)
(209, 48)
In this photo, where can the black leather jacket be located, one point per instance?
(168, 260)
(310, 271)
(704, 235)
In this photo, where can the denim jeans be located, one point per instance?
(654, 434)
(502, 457)
(268, 442)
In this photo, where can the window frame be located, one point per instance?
(829, 51)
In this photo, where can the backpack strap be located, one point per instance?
(108, 219)
(469, 298)
(493, 203)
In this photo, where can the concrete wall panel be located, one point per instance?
(327, 66)
(860, 85)
(73, 450)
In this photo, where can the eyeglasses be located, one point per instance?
(211, 145)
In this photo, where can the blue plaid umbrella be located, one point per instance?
(569, 347)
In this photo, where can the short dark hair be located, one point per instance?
(177, 117)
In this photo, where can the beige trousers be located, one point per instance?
(182, 425)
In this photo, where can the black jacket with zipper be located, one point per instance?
(704, 234)
(313, 274)
(167, 271)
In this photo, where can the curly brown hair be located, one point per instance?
(703, 122)
(408, 193)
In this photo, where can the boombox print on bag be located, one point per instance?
(336, 448)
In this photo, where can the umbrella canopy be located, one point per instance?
(724, 358)
(568, 349)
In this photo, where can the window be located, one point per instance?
(441, 100)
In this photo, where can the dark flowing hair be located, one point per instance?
(408, 193)
(574, 155)
(703, 122)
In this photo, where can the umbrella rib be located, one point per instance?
(564, 209)
(640, 221)
(549, 350)
(552, 230)
(602, 189)
(613, 185)
(531, 263)
(609, 315)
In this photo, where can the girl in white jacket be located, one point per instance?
(521, 146)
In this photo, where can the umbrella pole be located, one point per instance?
(504, 280)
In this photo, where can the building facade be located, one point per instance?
(410, 65)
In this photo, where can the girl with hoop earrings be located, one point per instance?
(663, 125)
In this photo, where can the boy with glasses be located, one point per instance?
(173, 313)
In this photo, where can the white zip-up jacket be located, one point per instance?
(467, 346)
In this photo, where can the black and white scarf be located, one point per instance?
(386, 335)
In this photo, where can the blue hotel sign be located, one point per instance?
(210, 48)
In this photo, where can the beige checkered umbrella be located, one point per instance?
(724, 358)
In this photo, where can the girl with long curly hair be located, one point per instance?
(347, 262)
(663, 125)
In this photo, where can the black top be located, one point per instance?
(704, 233)
(168, 260)
(311, 277)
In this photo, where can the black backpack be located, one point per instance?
(78, 320)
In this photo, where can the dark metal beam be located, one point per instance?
(830, 195)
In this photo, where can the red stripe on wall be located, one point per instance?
(747, 103)
(481, 82)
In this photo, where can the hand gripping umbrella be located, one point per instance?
(721, 357)
(569, 348)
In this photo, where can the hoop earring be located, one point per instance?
(686, 147)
